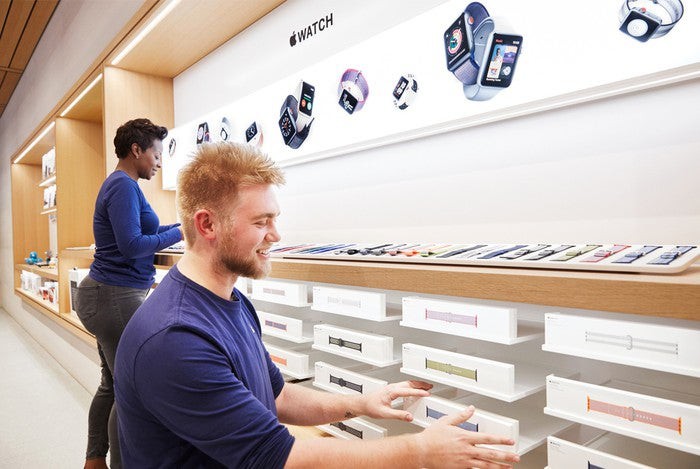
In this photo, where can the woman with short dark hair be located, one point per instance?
(127, 235)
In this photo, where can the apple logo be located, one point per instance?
(293, 39)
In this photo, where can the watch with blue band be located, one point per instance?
(670, 256)
(462, 51)
(634, 255)
(289, 113)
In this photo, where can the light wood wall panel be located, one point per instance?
(130, 95)
(30, 230)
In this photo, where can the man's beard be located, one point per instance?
(245, 267)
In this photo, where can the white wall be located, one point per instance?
(622, 169)
(77, 33)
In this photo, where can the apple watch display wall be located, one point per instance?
(501, 60)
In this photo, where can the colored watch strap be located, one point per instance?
(476, 17)
(300, 135)
(409, 94)
(549, 252)
(634, 255)
(460, 251)
(273, 291)
(355, 76)
(280, 360)
(348, 429)
(670, 256)
(568, 255)
(634, 415)
(345, 343)
(346, 384)
(450, 369)
(436, 414)
(630, 343)
(451, 317)
(436, 250)
(524, 251)
(488, 248)
(498, 252)
(605, 253)
(277, 325)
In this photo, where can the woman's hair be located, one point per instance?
(212, 179)
(139, 131)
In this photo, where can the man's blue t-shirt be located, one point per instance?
(194, 384)
(127, 234)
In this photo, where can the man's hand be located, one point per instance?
(378, 404)
(444, 445)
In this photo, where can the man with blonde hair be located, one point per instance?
(194, 385)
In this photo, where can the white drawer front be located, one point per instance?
(461, 319)
(289, 362)
(664, 348)
(283, 327)
(662, 421)
(455, 369)
(336, 379)
(284, 293)
(371, 348)
(355, 429)
(426, 410)
(562, 454)
(355, 303)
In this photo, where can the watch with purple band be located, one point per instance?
(462, 49)
(353, 90)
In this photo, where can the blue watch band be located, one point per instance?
(670, 256)
(634, 255)
(436, 414)
(502, 251)
(478, 19)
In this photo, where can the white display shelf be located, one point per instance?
(612, 451)
(353, 303)
(504, 381)
(375, 349)
(660, 416)
(284, 293)
(469, 320)
(286, 328)
(363, 428)
(652, 346)
(296, 364)
(606, 264)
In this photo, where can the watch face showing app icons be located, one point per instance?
(456, 42)
(306, 100)
(202, 133)
(501, 60)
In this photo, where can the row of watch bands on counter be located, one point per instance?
(525, 252)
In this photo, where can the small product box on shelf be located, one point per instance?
(370, 348)
(286, 328)
(646, 345)
(355, 429)
(284, 293)
(464, 319)
(297, 364)
(664, 417)
(341, 380)
(353, 303)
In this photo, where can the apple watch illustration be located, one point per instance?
(254, 135)
(649, 19)
(481, 52)
(172, 146)
(202, 133)
(225, 132)
(405, 91)
(353, 90)
(295, 115)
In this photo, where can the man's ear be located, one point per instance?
(205, 224)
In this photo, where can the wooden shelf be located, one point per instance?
(77, 253)
(48, 181)
(676, 296)
(38, 301)
(46, 272)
